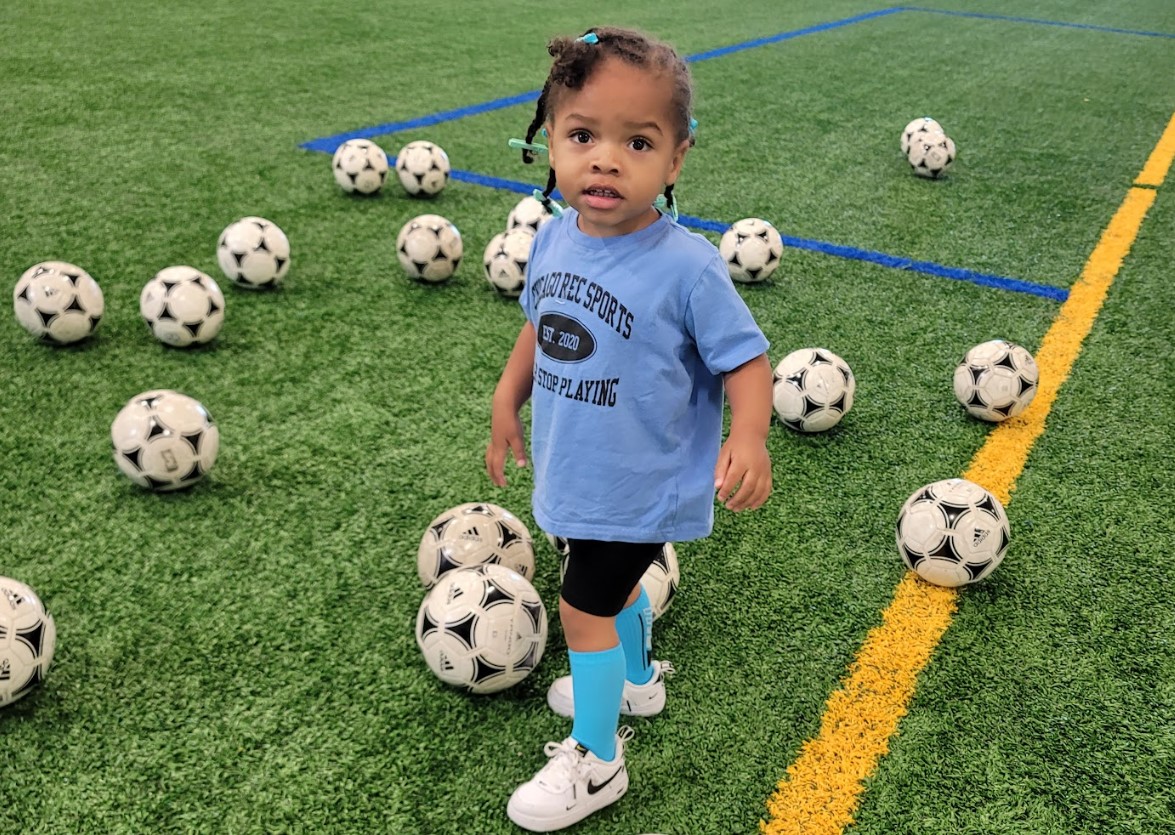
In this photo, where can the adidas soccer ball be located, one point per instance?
(360, 166)
(28, 636)
(182, 306)
(423, 168)
(996, 380)
(931, 154)
(429, 248)
(529, 213)
(922, 125)
(58, 302)
(661, 579)
(254, 253)
(752, 248)
(505, 260)
(813, 389)
(477, 533)
(482, 628)
(952, 532)
(164, 440)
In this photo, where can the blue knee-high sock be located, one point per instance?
(634, 625)
(597, 683)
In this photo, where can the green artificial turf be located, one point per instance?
(240, 657)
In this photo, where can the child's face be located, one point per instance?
(614, 148)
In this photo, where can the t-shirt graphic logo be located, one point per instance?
(565, 339)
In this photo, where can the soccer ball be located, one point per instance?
(923, 125)
(996, 380)
(182, 306)
(752, 248)
(812, 390)
(164, 440)
(254, 253)
(28, 636)
(931, 154)
(474, 534)
(482, 628)
(429, 248)
(505, 260)
(529, 213)
(360, 165)
(423, 168)
(952, 532)
(660, 579)
(58, 302)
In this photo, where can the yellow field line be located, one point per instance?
(1159, 163)
(820, 792)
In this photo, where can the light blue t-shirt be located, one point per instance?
(634, 335)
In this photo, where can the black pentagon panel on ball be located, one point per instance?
(507, 536)
(531, 659)
(811, 407)
(493, 593)
(33, 637)
(988, 505)
(820, 358)
(134, 458)
(946, 550)
(483, 670)
(463, 629)
(952, 513)
(1006, 361)
(974, 570)
(838, 405)
(534, 610)
(911, 557)
(1025, 387)
(156, 427)
(427, 624)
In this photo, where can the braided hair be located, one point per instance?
(574, 61)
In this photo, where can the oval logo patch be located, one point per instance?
(565, 339)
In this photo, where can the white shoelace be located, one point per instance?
(567, 762)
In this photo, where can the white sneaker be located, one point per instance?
(570, 787)
(646, 699)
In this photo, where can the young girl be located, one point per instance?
(633, 333)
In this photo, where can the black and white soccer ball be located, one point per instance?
(359, 165)
(423, 168)
(952, 532)
(922, 124)
(476, 533)
(505, 260)
(528, 213)
(28, 637)
(661, 579)
(164, 440)
(482, 628)
(996, 380)
(429, 248)
(58, 302)
(812, 389)
(752, 248)
(254, 253)
(931, 154)
(182, 306)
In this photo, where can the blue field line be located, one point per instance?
(851, 252)
(1013, 19)
(328, 144)
(898, 263)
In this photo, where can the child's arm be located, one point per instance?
(743, 474)
(513, 390)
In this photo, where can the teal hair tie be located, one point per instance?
(551, 206)
(665, 206)
(693, 125)
(520, 145)
(590, 37)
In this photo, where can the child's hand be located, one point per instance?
(505, 434)
(743, 473)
